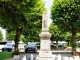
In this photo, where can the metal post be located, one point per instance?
(31, 57)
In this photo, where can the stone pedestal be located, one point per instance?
(16, 57)
(45, 51)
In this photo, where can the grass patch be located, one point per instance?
(4, 55)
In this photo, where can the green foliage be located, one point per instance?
(56, 32)
(66, 14)
(1, 36)
(67, 36)
(18, 13)
(23, 38)
(10, 35)
(78, 36)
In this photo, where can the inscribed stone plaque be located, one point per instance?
(45, 45)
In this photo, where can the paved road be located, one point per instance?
(34, 55)
(65, 52)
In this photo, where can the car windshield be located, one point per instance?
(9, 45)
(31, 45)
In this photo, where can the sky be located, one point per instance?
(48, 4)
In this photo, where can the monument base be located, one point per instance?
(45, 55)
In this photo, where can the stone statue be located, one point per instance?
(44, 21)
(45, 24)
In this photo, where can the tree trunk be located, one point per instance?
(68, 43)
(56, 44)
(18, 32)
(73, 41)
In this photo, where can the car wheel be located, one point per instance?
(35, 51)
(25, 51)
(9, 50)
(2, 50)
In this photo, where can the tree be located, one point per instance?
(10, 35)
(1, 36)
(66, 15)
(16, 14)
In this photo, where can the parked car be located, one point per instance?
(25, 45)
(62, 44)
(31, 48)
(8, 47)
(78, 43)
(51, 44)
(2, 44)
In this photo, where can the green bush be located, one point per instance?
(38, 44)
(53, 47)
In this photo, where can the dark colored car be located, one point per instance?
(31, 48)
(8, 47)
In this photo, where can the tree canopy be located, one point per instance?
(10, 35)
(20, 15)
(66, 14)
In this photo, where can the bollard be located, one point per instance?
(53, 57)
(24, 58)
(76, 57)
(31, 58)
(59, 57)
(27, 58)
